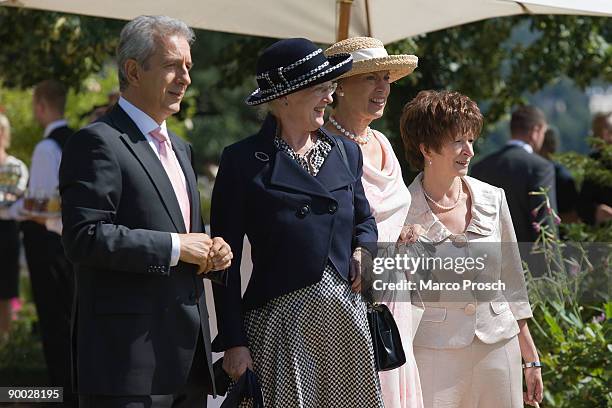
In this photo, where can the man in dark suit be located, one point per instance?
(133, 229)
(519, 171)
(595, 200)
(567, 194)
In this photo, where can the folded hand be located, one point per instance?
(195, 248)
(361, 260)
(219, 257)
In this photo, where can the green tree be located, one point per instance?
(16, 104)
(38, 45)
(220, 116)
(494, 61)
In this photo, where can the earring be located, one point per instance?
(339, 93)
(286, 101)
(430, 162)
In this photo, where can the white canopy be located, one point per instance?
(389, 20)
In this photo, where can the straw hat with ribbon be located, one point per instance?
(370, 55)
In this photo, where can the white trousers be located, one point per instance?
(477, 376)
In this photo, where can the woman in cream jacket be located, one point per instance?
(469, 344)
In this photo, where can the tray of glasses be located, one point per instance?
(41, 207)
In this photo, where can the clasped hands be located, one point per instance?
(210, 254)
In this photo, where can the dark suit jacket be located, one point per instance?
(592, 194)
(518, 172)
(295, 222)
(138, 320)
(567, 195)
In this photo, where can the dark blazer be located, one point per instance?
(138, 320)
(567, 194)
(593, 194)
(518, 172)
(294, 221)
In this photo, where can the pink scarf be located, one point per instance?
(386, 192)
(389, 200)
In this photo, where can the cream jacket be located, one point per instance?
(453, 319)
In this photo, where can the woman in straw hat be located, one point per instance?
(301, 325)
(361, 97)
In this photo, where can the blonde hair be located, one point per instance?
(268, 108)
(5, 129)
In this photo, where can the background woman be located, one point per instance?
(300, 325)
(468, 349)
(360, 99)
(13, 183)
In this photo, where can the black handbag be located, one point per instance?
(386, 340)
(247, 387)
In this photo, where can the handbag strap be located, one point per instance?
(342, 150)
(343, 154)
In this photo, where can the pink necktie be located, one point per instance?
(170, 163)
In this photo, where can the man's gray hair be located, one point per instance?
(139, 39)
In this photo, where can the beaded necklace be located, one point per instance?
(443, 207)
(359, 139)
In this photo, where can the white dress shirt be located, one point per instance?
(46, 158)
(526, 146)
(146, 124)
(44, 174)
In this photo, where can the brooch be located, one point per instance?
(262, 156)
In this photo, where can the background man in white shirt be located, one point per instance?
(51, 274)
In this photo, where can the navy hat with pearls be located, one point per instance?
(293, 64)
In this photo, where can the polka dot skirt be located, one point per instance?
(312, 348)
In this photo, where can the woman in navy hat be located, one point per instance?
(295, 191)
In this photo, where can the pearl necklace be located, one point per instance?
(359, 139)
(443, 207)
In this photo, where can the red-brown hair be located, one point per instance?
(434, 117)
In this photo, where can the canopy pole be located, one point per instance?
(524, 8)
(367, 8)
(344, 19)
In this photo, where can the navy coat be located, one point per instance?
(295, 222)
